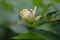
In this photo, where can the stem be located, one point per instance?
(55, 20)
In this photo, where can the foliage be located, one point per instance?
(12, 27)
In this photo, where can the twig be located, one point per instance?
(55, 20)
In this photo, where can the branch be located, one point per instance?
(55, 20)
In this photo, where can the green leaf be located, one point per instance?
(54, 24)
(38, 23)
(47, 35)
(57, 0)
(38, 34)
(44, 27)
(37, 2)
(46, 8)
(49, 15)
(6, 6)
(29, 35)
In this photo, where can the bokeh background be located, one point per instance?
(10, 23)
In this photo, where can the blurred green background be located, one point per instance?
(11, 25)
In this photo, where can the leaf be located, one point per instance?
(56, 0)
(29, 35)
(6, 6)
(38, 23)
(49, 15)
(44, 27)
(45, 9)
(21, 28)
(37, 2)
(47, 35)
(38, 34)
(57, 29)
(54, 24)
